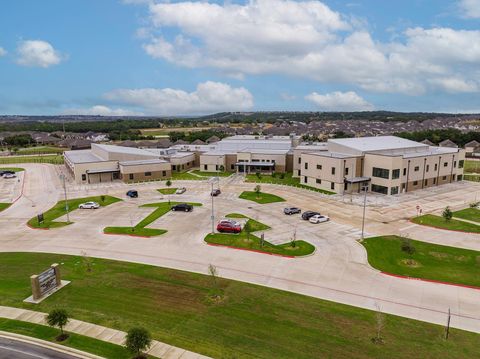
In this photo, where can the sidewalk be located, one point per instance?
(157, 349)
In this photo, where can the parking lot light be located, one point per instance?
(365, 190)
(213, 180)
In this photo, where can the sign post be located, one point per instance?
(45, 284)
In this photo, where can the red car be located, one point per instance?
(228, 226)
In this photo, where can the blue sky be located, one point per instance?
(178, 58)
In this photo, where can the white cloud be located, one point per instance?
(340, 101)
(307, 39)
(3, 52)
(100, 110)
(208, 97)
(470, 8)
(37, 53)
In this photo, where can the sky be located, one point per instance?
(164, 58)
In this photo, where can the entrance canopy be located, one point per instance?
(91, 172)
(255, 164)
(357, 179)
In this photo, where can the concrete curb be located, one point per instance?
(124, 234)
(49, 345)
(250, 250)
(443, 229)
(431, 281)
(43, 229)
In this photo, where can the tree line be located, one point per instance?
(437, 136)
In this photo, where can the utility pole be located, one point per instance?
(62, 176)
(212, 181)
(365, 189)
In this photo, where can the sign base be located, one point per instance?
(54, 290)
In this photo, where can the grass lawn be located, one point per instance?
(14, 169)
(429, 261)
(261, 198)
(140, 229)
(59, 210)
(251, 321)
(185, 176)
(471, 166)
(471, 214)
(287, 180)
(4, 206)
(52, 159)
(167, 190)
(40, 150)
(453, 224)
(80, 342)
(212, 174)
(254, 225)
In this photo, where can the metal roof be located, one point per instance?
(82, 156)
(377, 143)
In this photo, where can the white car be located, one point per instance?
(180, 190)
(319, 218)
(89, 205)
(9, 175)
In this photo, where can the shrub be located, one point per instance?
(447, 213)
(407, 246)
(138, 340)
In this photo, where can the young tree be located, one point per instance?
(87, 261)
(293, 241)
(447, 213)
(248, 228)
(58, 318)
(212, 270)
(222, 168)
(257, 190)
(168, 183)
(138, 340)
(102, 198)
(379, 325)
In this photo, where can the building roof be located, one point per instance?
(377, 143)
(427, 142)
(213, 139)
(82, 156)
(431, 151)
(447, 143)
(473, 143)
(142, 162)
(332, 154)
(198, 142)
(122, 149)
(128, 143)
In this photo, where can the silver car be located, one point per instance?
(89, 205)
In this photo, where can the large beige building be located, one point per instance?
(386, 164)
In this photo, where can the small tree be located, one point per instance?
(87, 261)
(379, 325)
(58, 318)
(248, 229)
(168, 183)
(102, 198)
(258, 175)
(222, 168)
(407, 246)
(447, 213)
(282, 175)
(293, 241)
(257, 190)
(137, 341)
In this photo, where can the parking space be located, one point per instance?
(10, 188)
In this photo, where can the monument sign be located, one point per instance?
(45, 284)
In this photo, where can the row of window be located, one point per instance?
(385, 173)
(332, 171)
(394, 190)
(131, 176)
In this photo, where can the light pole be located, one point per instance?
(365, 189)
(62, 176)
(212, 181)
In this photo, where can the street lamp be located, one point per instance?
(212, 182)
(62, 177)
(365, 189)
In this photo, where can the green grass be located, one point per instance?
(430, 261)
(140, 229)
(471, 166)
(14, 169)
(185, 176)
(40, 150)
(472, 177)
(253, 224)
(287, 180)
(52, 159)
(59, 210)
(471, 214)
(261, 197)
(76, 341)
(440, 222)
(251, 321)
(212, 174)
(4, 206)
(236, 215)
(167, 190)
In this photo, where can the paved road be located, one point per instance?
(12, 349)
(338, 271)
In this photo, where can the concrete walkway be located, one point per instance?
(157, 349)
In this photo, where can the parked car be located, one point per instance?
(9, 175)
(180, 190)
(318, 218)
(215, 192)
(185, 207)
(308, 214)
(89, 205)
(291, 210)
(229, 226)
(132, 193)
(4, 172)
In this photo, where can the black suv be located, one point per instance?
(215, 192)
(132, 193)
(308, 214)
(6, 172)
(185, 207)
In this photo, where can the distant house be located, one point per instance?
(427, 142)
(127, 143)
(448, 143)
(198, 142)
(45, 139)
(213, 139)
(163, 143)
(470, 147)
(75, 143)
(181, 142)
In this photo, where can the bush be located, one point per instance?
(282, 175)
(407, 246)
(447, 213)
(58, 318)
(258, 175)
(138, 340)
(474, 204)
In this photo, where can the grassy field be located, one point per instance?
(80, 342)
(440, 222)
(52, 159)
(140, 229)
(167, 190)
(471, 214)
(59, 210)
(250, 322)
(471, 166)
(4, 206)
(212, 174)
(472, 177)
(14, 169)
(185, 176)
(287, 180)
(429, 261)
(40, 150)
(261, 198)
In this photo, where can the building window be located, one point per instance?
(416, 169)
(445, 164)
(299, 172)
(426, 182)
(232, 166)
(299, 160)
(454, 164)
(444, 178)
(434, 180)
(396, 173)
(380, 172)
(346, 171)
(459, 178)
(404, 171)
(205, 167)
(460, 164)
(164, 173)
(453, 177)
(147, 174)
(436, 167)
(319, 167)
(394, 190)
(318, 180)
(306, 165)
(415, 183)
(428, 168)
(379, 189)
(332, 185)
(174, 167)
(305, 180)
(216, 167)
(84, 177)
(333, 170)
(130, 176)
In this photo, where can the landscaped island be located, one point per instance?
(260, 197)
